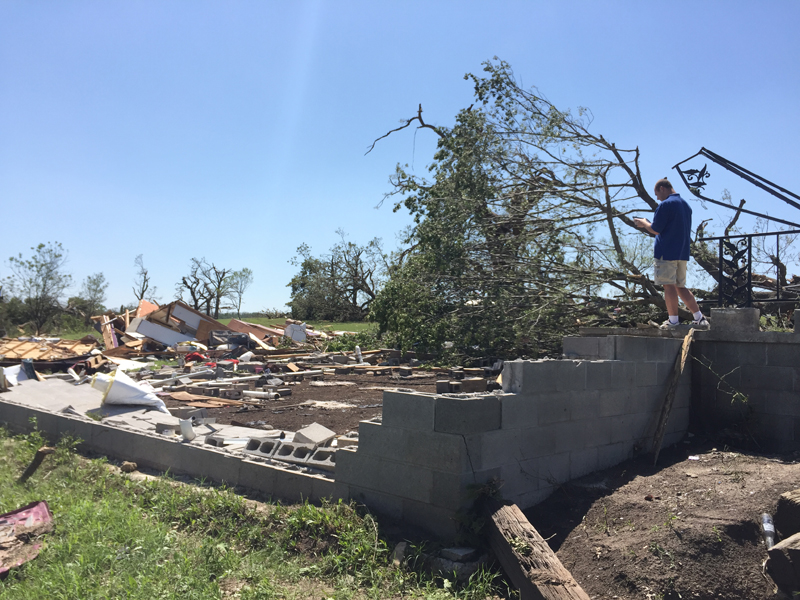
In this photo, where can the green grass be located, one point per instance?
(116, 537)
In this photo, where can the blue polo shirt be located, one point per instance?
(673, 222)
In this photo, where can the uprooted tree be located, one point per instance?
(522, 231)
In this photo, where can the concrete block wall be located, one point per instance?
(169, 454)
(555, 420)
(766, 372)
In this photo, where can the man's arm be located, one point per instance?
(644, 224)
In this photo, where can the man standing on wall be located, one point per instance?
(672, 226)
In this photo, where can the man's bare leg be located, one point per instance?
(671, 294)
(671, 299)
(688, 299)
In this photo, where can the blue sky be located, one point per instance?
(237, 130)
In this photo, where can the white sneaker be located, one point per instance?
(669, 325)
(701, 324)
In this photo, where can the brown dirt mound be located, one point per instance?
(685, 529)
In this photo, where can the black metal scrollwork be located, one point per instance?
(696, 178)
(734, 269)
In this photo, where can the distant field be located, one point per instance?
(354, 327)
(329, 325)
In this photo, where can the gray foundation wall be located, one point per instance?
(554, 421)
(169, 454)
(751, 387)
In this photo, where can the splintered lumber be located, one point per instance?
(784, 563)
(787, 515)
(669, 396)
(533, 567)
(35, 463)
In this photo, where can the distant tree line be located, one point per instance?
(34, 296)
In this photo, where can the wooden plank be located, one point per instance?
(782, 564)
(532, 566)
(787, 515)
(669, 396)
(292, 367)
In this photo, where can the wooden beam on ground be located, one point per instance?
(533, 567)
(669, 396)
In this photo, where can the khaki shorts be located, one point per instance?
(670, 272)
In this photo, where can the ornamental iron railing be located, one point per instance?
(735, 252)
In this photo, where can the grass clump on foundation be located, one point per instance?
(116, 537)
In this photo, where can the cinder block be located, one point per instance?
(495, 448)
(513, 376)
(624, 374)
(582, 462)
(585, 405)
(383, 504)
(442, 387)
(600, 375)
(323, 458)
(663, 349)
(767, 378)
(783, 355)
(293, 486)
(467, 415)
(408, 410)
(293, 452)
(257, 476)
(631, 348)
(613, 454)
(593, 433)
(447, 490)
(678, 421)
(735, 319)
(314, 434)
(628, 428)
(438, 451)
(570, 375)
(471, 385)
(262, 447)
(520, 477)
(76, 427)
(580, 347)
(439, 521)
(381, 440)
(519, 411)
(554, 469)
(596, 348)
(539, 376)
(783, 403)
(390, 477)
(205, 463)
(614, 402)
(554, 408)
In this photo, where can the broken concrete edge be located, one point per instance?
(170, 455)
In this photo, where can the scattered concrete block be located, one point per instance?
(459, 554)
(315, 434)
(442, 387)
(323, 458)
(293, 452)
(455, 387)
(262, 447)
(343, 370)
(471, 385)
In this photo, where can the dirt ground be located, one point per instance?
(689, 528)
(339, 404)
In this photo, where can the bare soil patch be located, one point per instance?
(339, 408)
(685, 529)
